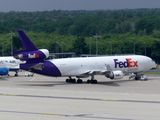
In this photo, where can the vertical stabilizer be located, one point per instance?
(26, 42)
(30, 52)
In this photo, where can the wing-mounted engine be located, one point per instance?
(32, 55)
(114, 74)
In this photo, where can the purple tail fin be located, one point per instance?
(26, 43)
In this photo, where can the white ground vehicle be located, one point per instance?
(29, 74)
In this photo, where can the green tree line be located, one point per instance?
(126, 31)
(108, 44)
(83, 23)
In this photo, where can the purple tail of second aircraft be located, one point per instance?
(26, 43)
(30, 52)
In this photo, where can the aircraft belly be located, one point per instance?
(80, 68)
(13, 69)
(71, 71)
(48, 68)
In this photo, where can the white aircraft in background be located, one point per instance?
(112, 67)
(9, 64)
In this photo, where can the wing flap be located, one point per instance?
(94, 72)
(98, 71)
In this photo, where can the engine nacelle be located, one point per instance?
(114, 74)
(4, 71)
(33, 55)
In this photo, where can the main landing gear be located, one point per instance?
(92, 81)
(138, 76)
(16, 74)
(141, 77)
(70, 80)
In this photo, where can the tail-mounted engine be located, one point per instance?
(114, 74)
(33, 55)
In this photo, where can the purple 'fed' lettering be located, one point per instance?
(127, 63)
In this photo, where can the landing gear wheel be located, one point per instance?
(67, 80)
(70, 80)
(95, 81)
(88, 81)
(137, 78)
(92, 81)
(73, 80)
(16, 75)
(79, 81)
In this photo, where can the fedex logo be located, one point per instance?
(118, 74)
(124, 64)
(35, 55)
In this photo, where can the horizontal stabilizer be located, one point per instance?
(18, 52)
(36, 67)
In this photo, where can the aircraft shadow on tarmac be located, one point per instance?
(59, 83)
(2, 78)
(114, 82)
(42, 83)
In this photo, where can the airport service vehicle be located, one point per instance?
(29, 74)
(9, 63)
(112, 67)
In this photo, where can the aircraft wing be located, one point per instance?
(90, 72)
(97, 71)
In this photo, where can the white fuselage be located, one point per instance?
(9, 62)
(84, 65)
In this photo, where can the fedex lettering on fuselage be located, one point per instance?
(124, 64)
(35, 55)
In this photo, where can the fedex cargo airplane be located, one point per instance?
(112, 67)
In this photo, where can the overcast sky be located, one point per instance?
(42, 5)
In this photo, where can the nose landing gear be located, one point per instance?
(138, 76)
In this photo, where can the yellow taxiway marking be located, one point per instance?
(77, 107)
(112, 99)
(49, 115)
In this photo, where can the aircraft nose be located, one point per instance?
(153, 64)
